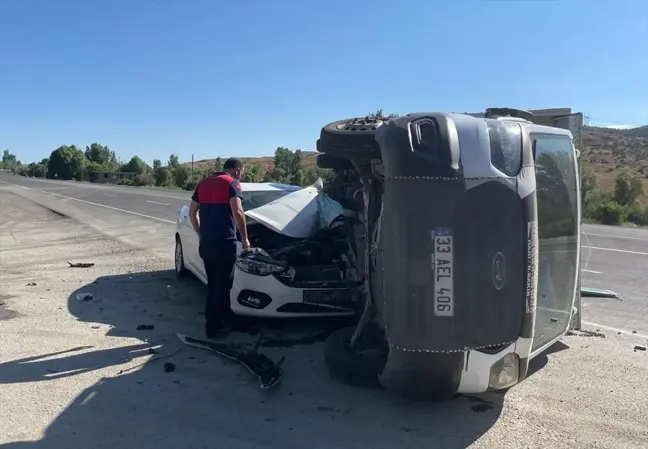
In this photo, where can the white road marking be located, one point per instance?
(107, 207)
(617, 250)
(155, 202)
(615, 329)
(616, 236)
(108, 194)
(592, 271)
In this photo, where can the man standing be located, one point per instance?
(218, 197)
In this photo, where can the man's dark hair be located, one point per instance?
(233, 163)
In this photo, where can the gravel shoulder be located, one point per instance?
(77, 373)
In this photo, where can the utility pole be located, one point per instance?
(192, 171)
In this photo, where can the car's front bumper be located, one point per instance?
(266, 296)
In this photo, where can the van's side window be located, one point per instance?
(557, 183)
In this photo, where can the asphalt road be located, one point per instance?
(614, 258)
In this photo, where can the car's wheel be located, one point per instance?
(180, 269)
(359, 366)
(350, 137)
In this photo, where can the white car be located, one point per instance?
(296, 268)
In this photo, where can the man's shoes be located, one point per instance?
(219, 333)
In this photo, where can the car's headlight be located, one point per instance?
(259, 263)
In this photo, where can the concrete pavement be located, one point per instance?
(614, 258)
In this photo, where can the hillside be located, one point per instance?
(265, 162)
(606, 150)
(609, 150)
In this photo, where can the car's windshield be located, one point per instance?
(252, 200)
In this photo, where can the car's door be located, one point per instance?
(189, 239)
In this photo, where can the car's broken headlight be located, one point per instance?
(258, 262)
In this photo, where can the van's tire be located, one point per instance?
(350, 367)
(353, 136)
(332, 162)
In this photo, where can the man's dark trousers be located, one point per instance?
(219, 259)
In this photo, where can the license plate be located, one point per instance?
(327, 297)
(442, 268)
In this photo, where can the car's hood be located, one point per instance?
(299, 214)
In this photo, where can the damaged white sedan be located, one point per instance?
(298, 266)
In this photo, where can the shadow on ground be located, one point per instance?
(208, 402)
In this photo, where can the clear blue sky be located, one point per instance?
(221, 78)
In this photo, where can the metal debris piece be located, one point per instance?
(84, 296)
(152, 351)
(639, 348)
(145, 327)
(597, 293)
(169, 367)
(80, 265)
(31, 284)
(268, 372)
(585, 333)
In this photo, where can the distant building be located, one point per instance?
(110, 177)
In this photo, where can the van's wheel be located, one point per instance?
(350, 137)
(359, 366)
(180, 269)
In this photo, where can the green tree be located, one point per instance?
(253, 173)
(135, 165)
(589, 183)
(380, 115)
(143, 179)
(9, 160)
(67, 162)
(162, 176)
(98, 153)
(288, 167)
(36, 170)
(174, 162)
(627, 188)
(180, 176)
(157, 164)
(218, 164)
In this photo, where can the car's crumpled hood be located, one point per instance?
(299, 214)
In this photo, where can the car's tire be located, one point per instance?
(180, 269)
(349, 367)
(334, 163)
(353, 136)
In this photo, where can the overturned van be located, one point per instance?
(468, 249)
